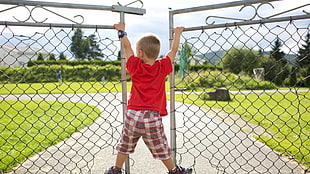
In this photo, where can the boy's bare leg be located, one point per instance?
(169, 164)
(120, 159)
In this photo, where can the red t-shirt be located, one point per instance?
(148, 84)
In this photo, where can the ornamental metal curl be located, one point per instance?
(256, 13)
(31, 15)
(134, 2)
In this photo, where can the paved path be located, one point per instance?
(217, 146)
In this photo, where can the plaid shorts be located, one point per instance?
(148, 125)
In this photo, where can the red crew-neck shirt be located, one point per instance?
(148, 84)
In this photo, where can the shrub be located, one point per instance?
(42, 73)
(217, 79)
(72, 63)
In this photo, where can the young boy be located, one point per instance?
(147, 102)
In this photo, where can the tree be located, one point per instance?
(40, 57)
(52, 57)
(277, 53)
(307, 78)
(119, 56)
(281, 66)
(303, 62)
(93, 48)
(303, 58)
(271, 67)
(85, 47)
(77, 44)
(293, 76)
(238, 60)
(62, 56)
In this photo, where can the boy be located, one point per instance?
(147, 102)
(59, 77)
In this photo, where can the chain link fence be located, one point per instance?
(241, 89)
(61, 87)
(239, 93)
(80, 115)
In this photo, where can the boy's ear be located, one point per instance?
(140, 53)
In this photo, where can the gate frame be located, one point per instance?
(243, 3)
(121, 9)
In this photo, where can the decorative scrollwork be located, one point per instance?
(134, 2)
(31, 15)
(82, 18)
(256, 13)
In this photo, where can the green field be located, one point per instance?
(28, 127)
(285, 116)
(55, 88)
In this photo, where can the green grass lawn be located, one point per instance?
(55, 88)
(28, 127)
(285, 116)
(67, 87)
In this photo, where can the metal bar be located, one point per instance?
(114, 8)
(124, 88)
(252, 22)
(172, 97)
(217, 6)
(56, 25)
(56, 4)
(129, 10)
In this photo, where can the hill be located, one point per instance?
(214, 57)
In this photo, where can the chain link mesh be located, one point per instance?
(230, 121)
(57, 127)
(69, 126)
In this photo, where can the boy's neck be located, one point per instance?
(149, 61)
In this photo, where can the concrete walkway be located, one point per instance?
(206, 143)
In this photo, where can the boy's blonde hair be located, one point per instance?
(150, 45)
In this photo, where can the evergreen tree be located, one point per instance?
(85, 48)
(293, 77)
(119, 56)
(303, 58)
(62, 56)
(307, 78)
(277, 53)
(52, 57)
(40, 57)
(78, 44)
(94, 51)
(282, 70)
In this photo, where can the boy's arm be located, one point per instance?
(175, 43)
(124, 40)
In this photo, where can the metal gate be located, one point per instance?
(240, 90)
(62, 107)
(62, 79)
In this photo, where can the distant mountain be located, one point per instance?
(214, 57)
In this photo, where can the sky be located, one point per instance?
(156, 19)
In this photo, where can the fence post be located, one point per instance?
(172, 100)
(124, 88)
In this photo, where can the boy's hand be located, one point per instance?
(125, 42)
(175, 43)
(178, 30)
(119, 26)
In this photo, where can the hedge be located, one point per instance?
(117, 63)
(79, 73)
(218, 79)
(72, 63)
(200, 67)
